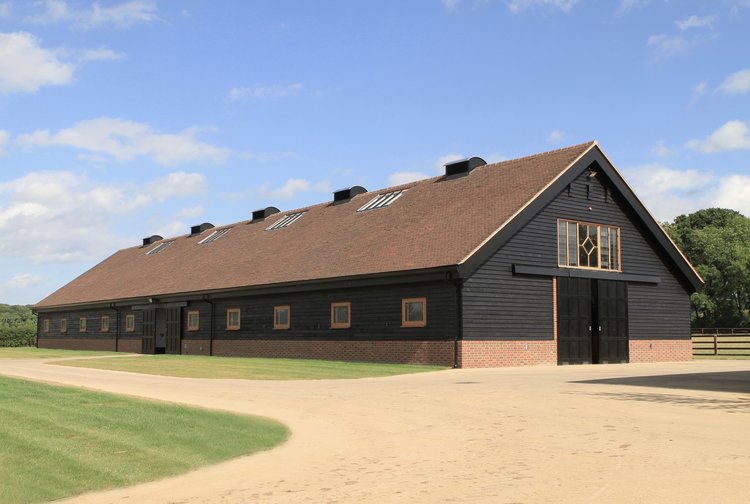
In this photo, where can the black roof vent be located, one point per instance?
(463, 167)
(196, 230)
(259, 215)
(152, 239)
(344, 195)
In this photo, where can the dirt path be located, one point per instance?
(494, 436)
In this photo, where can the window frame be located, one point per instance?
(598, 226)
(63, 325)
(276, 324)
(82, 324)
(45, 325)
(102, 324)
(414, 323)
(197, 326)
(233, 327)
(130, 327)
(341, 325)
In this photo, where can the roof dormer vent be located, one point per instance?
(152, 239)
(259, 215)
(344, 195)
(196, 230)
(463, 167)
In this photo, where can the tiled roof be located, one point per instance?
(435, 223)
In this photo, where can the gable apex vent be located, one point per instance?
(152, 239)
(463, 166)
(344, 195)
(259, 215)
(196, 230)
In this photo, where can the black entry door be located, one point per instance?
(592, 322)
(174, 317)
(148, 345)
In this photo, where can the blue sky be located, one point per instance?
(121, 119)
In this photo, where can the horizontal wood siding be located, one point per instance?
(500, 305)
(93, 324)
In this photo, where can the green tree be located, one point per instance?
(717, 242)
(17, 326)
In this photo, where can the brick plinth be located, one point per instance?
(401, 352)
(100, 344)
(474, 354)
(661, 350)
(195, 347)
(129, 345)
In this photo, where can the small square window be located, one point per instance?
(130, 323)
(414, 312)
(105, 323)
(82, 324)
(45, 325)
(233, 319)
(63, 325)
(281, 317)
(193, 320)
(341, 315)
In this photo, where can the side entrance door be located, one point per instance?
(174, 330)
(148, 345)
(592, 321)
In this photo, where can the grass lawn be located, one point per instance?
(195, 366)
(60, 441)
(43, 353)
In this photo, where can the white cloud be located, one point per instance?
(737, 83)
(443, 160)
(517, 6)
(698, 91)
(405, 177)
(25, 66)
(734, 135)
(556, 136)
(177, 184)
(101, 54)
(123, 15)
(260, 92)
(450, 4)
(22, 281)
(3, 141)
(666, 46)
(291, 188)
(660, 149)
(669, 192)
(125, 140)
(696, 22)
(734, 192)
(5, 10)
(193, 211)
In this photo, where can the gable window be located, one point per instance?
(82, 324)
(233, 319)
(193, 320)
(281, 317)
(105, 323)
(45, 325)
(414, 312)
(129, 323)
(341, 315)
(586, 245)
(63, 325)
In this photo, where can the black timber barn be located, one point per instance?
(546, 259)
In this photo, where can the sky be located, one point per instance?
(126, 118)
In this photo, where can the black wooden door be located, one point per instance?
(148, 345)
(612, 321)
(574, 321)
(174, 317)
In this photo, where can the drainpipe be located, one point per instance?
(459, 320)
(210, 325)
(117, 326)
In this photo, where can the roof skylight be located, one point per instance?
(381, 200)
(158, 248)
(285, 221)
(214, 236)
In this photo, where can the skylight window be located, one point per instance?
(381, 200)
(285, 221)
(159, 247)
(214, 236)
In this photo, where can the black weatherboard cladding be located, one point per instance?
(500, 305)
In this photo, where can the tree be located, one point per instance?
(717, 242)
(17, 326)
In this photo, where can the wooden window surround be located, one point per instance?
(105, 323)
(82, 324)
(587, 245)
(282, 317)
(130, 323)
(414, 312)
(45, 325)
(63, 325)
(341, 315)
(233, 319)
(193, 320)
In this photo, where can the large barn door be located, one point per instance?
(574, 321)
(174, 317)
(148, 345)
(612, 321)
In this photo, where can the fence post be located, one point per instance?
(716, 342)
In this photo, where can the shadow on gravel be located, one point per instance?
(731, 405)
(727, 381)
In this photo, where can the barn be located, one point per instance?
(545, 259)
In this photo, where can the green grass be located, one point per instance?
(44, 353)
(59, 441)
(194, 366)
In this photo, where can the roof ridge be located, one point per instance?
(546, 153)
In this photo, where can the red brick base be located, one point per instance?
(473, 354)
(130, 345)
(78, 343)
(661, 350)
(195, 347)
(400, 352)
